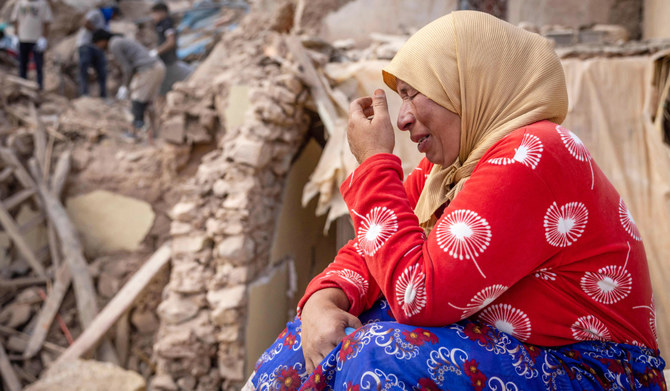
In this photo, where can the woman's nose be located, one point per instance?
(405, 117)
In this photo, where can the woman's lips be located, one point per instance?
(423, 141)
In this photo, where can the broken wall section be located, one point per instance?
(223, 227)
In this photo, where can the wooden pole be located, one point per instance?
(118, 305)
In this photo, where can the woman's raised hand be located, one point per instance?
(370, 130)
(324, 318)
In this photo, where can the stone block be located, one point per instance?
(236, 200)
(220, 187)
(188, 277)
(144, 321)
(174, 130)
(238, 250)
(163, 382)
(180, 228)
(110, 222)
(189, 243)
(254, 153)
(183, 211)
(227, 298)
(177, 309)
(225, 316)
(238, 104)
(231, 368)
(75, 375)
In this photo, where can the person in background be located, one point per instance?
(142, 72)
(89, 54)
(175, 70)
(31, 22)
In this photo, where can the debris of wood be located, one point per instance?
(8, 373)
(118, 305)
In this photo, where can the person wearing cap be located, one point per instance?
(89, 54)
(166, 32)
(142, 72)
(505, 261)
(31, 23)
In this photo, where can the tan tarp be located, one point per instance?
(612, 103)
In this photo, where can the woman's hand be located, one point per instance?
(370, 130)
(324, 318)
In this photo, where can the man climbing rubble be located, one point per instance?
(175, 70)
(31, 22)
(142, 73)
(89, 54)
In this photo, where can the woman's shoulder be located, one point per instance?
(531, 143)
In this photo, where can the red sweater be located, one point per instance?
(538, 243)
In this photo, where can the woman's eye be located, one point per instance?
(411, 97)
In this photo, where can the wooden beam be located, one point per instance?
(310, 76)
(8, 374)
(20, 172)
(14, 233)
(18, 198)
(119, 304)
(48, 311)
(21, 282)
(5, 173)
(73, 252)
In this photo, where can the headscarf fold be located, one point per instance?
(495, 76)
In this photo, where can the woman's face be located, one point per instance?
(436, 130)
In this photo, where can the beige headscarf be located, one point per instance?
(495, 76)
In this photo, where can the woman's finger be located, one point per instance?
(357, 107)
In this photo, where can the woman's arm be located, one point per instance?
(489, 237)
(349, 272)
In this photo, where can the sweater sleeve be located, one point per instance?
(488, 238)
(349, 272)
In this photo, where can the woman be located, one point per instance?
(507, 260)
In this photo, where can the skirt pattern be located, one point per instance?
(468, 355)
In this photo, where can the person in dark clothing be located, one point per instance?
(167, 47)
(142, 73)
(89, 54)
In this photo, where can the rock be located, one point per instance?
(227, 298)
(174, 130)
(183, 211)
(231, 368)
(186, 383)
(110, 222)
(36, 237)
(85, 375)
(238, 104)
(220, 188)
(179, 228)
(238, 250)
(254, 153)
(108, 285)
(223, 316)
(163, 383)
(189, 243)
(229, 333)
(188, 277)
(15, 314)
(177, 309)
(144, 321)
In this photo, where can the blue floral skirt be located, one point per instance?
(468, 355)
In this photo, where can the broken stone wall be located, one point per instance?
(224, 225)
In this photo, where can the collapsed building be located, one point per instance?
(262, 118)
